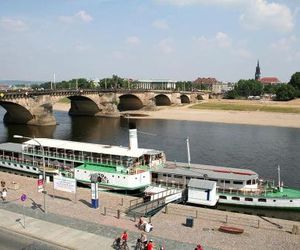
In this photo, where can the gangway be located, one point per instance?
(154, 200)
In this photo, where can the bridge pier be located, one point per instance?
(38, 118)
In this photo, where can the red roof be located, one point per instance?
(269, 80)
(208, 80)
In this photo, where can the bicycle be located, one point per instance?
(120, 244)
(140, 245)
(123, 245)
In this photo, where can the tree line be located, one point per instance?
(242, 89)
(251, 87)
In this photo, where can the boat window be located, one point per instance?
(118, 176)
(238, 182)
(274, 200)
(223, 197)
(262, 200)
(9, 163)
(154, 175)
(15, 165)
(291, 200)
(249, 182)
(248, 199)
(124, 177)
(28, 167)
(164, 174)
(112, 176)
(178, 176)
(235, 198)
(77, 170)
(85, 172)
(226, 181)
(169, 175)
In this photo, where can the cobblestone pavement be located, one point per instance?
(94, 228)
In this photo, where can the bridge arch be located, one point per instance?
(129, 102)
(162, 100)
(200, 97)
(81, 105)
(184, 99)
(16, 113)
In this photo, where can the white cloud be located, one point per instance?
(66, 19)
(261, 14)
(80, 15)
(223, 40)
(191, 2)
(12, 24)
(284, 44)
(134, 40)
(85, 17)
(160, 24)
(254, 14)
(243, 53)
(165, 46)
(82, 47)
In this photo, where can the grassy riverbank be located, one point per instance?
(247, 107)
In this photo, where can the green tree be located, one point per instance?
(295, 82)
(285, 92)
(245, 88)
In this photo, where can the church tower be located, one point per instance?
(257, 71)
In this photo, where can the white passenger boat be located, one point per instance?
(117, 167)
(211, 185)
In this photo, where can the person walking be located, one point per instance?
(4, 194)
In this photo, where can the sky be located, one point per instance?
(148, 39)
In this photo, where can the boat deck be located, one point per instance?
(286, 193)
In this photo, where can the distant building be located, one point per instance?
(257, 71)
(269, 80)
(208, 82)
(156, 84)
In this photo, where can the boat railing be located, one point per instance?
(79, 158)
(245, 192)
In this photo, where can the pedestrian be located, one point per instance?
(4, 194)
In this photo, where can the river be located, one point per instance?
(259, 148)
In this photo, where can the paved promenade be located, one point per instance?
(74, 224)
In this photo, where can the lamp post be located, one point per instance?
(43, 158)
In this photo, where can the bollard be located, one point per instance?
(226, 219)
(258, 222)
(104, 212)
(122, 202)
(295, 230)
(166, 209)
(134, 217)
(118, 214)
(150, 219)
(196, 213)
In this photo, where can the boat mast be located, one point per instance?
(188, 151)
(278, 169)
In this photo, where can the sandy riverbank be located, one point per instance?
(233, 117)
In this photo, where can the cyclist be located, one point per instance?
(199, 247)
(150, 245)
(143, 239)
(124, 236)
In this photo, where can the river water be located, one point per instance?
(259, 148)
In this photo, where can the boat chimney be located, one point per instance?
(133, 140)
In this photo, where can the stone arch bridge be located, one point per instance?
(36, 107)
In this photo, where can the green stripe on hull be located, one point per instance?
(261, 207)
(115, 186)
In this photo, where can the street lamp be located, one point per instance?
(44, 173)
